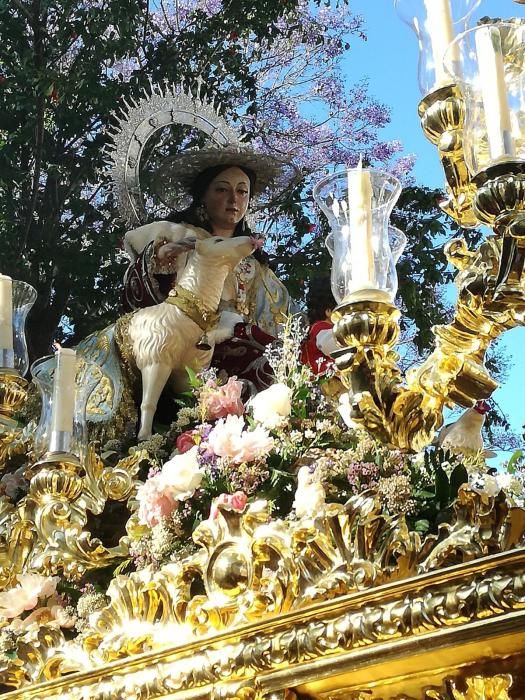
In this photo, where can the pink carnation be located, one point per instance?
(185, 442)
(236, 501)
(222, 401)
(25, 596)
(228, 439)
(225, 436)
(253, 444)
(155, 502)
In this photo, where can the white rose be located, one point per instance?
(272, 406)
(182, 474)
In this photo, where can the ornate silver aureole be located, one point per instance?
(137, 123)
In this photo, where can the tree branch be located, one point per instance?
(39, 126)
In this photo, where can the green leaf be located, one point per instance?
(513, 461)
(194, 381)
(442, 486)
(458, 477)
(424, 494)
(124, 567)
(422, 525)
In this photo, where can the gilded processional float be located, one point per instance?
(304, 545)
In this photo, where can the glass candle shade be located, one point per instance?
(436, 23)
(487, 63)
(363, 266)
(70, 436)
(397, 241)
(24, 296)
(13, 347)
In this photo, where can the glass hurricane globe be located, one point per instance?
(488, 65)
(16, 358)
(75, 443)
(436, 23)
(333, 195)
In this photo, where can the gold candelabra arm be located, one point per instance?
(406, 414)
(500, 203)
(13, 393)
(442, 114)
(379, 401)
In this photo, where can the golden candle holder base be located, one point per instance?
(56, 475)
(500, 203)
(13, 393)
(400, 417)
(442, 114)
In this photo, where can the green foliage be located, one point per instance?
(62, 64)
(515, 461)
(436, 484)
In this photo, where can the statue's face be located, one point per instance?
(226, 200)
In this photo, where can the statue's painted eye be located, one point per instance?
(218, 240)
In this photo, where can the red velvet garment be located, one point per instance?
(243, 356)
(141, 288)
(310, 353)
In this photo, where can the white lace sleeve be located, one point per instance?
(136, 240)
(326, 342)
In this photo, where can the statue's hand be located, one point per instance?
(168, 252)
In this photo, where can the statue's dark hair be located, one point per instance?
(191, 215)
(319, 298)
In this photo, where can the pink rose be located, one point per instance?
(236, 501)
(225, 436)
(185, 442)
(25, 596)
(155, 501)
(222, 401)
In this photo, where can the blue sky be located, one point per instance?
(389, 59)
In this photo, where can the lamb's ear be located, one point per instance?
(199, 247)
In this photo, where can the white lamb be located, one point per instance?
(163, 338)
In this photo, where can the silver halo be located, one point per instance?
(139, 121)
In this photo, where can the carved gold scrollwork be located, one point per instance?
(63, 497)
(246, 690)
(477, 688)
(18, 540)
(47, 529)
(250, 568)
(13, 393)
(442, 116)
(404, 418)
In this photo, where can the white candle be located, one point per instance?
(360, 224)
(494, 92)
(6, 313)
(64, 392)
(441, 32)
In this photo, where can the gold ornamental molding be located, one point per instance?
(401, 637)
(306, 604)
(442, 115)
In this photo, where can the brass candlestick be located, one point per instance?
(483, 160)
(442, 114)
(13, 392)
